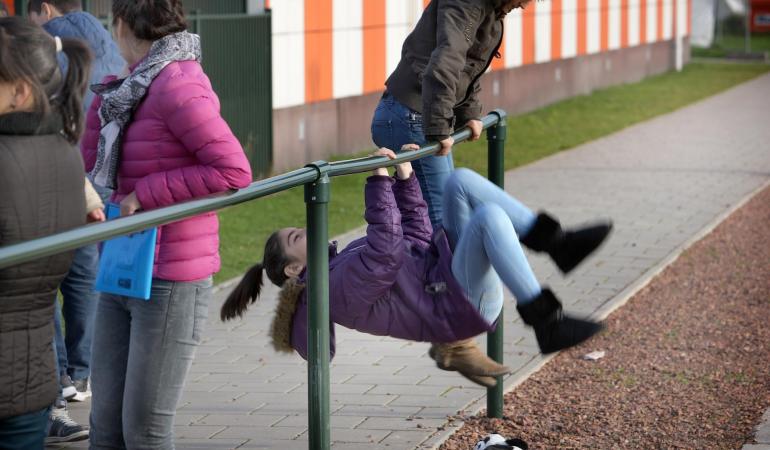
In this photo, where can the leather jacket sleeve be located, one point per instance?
(457, 24)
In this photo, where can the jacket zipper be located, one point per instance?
(489, 63)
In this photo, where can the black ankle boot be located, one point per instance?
(566, 248)
(555, 330)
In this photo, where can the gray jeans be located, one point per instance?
(142, 351)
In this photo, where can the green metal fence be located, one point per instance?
(237, 53)
(316, 178)
(101, 8)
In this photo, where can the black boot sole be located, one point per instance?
(552, 347)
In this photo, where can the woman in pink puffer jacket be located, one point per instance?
(157, 138)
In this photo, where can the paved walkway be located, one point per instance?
(762, 436)
(663, 182)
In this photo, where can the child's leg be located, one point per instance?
(489, 239)
(488, 247)
(466, 190)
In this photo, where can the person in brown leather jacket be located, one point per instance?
(435, 86)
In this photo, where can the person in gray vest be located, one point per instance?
(42, 180)
(66, 19)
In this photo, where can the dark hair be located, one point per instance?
(150, 20)
(64, 6)
(28, 53)
(274, 262)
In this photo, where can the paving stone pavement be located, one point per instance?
(662, 182)
(762, 437)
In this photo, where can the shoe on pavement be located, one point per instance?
(83, 388)
(68, 389)
(63, 428)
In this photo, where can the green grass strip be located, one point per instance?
(531, 136)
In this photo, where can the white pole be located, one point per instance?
(678, 44)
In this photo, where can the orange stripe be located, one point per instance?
(375, 35)
(425, 3)
(528, 34)
(660, 20)
(643, 21)
(604, 13)
(623, 23)
(556, 15)
(318, 50)
(499, 63)
(582, 23)
(689, 17)
(267, 4)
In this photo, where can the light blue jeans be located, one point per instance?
(142, 352)
(395, 125)
(483, 224)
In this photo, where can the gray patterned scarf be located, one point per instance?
(121, 97)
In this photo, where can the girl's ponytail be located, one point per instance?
(69, 99)
(245, 293)
(29, 54)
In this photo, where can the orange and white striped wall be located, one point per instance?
(331, 49)
(331, 59)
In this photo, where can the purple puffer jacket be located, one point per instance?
(176, 148)
(397, 280)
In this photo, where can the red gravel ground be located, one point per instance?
(687, 363)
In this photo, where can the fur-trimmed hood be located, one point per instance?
(280, 330)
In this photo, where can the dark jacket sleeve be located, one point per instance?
(470, 109)
(369, 274)
(456, 26)
(415, 222)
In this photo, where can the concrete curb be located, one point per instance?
(762, 436)
(477, 406)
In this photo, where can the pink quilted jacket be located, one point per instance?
(177, 148)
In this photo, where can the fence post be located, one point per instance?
(496, 174)
(317, 202)
(21, 7)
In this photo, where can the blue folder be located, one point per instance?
(125, 265)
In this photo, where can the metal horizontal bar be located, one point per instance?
(368, 163)
(57, 243)
(69, 240)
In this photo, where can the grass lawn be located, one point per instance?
(532, 136)
(760, 42)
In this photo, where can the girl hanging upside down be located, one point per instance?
(406, 281)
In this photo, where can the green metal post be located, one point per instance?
(496, 156)
(21, 7)
(198, 21)
(317, 202)
(87, 5)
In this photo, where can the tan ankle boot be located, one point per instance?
(488, 382)
(466, 357)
